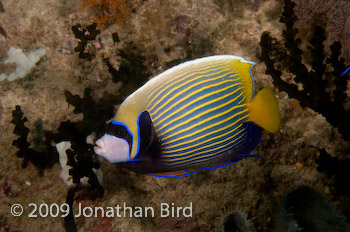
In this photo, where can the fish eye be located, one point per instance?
(116, 130)
(121, 131)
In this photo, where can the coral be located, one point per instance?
(85, 36)
(235, 221)
(315, 92)
(23, 132)
(38, 134)
(81, 154)
(132, 72)
(313, 86)
(115, 37)
(64, 147)
(24, 63)
(109, 10)
(304, 209)
(339, 169)
(42, 155)
(95, 114)
(69, 220)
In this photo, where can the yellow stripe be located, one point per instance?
(190, 80)
(202, 122)
(203, 113)
(242, 101)
(203, 129)
(161, 85)
(196, 139)
(199, 106)
(171, 82)
(206, 141)
(187, 96)
(195, 156)
(181, 85)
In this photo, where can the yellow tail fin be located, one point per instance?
(264, 111)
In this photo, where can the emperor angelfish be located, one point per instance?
(198, 115)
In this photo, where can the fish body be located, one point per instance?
(197, 115)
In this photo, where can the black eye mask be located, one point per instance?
(116, 130)
(120, 132)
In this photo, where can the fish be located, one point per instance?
(198, 115)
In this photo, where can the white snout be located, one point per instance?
(112, 148)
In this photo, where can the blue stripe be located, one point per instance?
(224, 165)
(174, 109)
(198, 142)
(215, 158)
(186, 174)
(251, 75)
(157, 104)
(183, 136)
(212, 116)
(201, 162)
(345, 72)
(178, 117)
(246, 144)
(183, 77)
(192, 99)
(185, 149)
(224, 153)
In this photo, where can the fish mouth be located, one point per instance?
(100, 148)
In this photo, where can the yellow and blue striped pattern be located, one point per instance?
(199, 115)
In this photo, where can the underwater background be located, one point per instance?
(73, 62)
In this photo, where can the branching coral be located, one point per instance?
(42, 154)
(304, 209)
(84, 35)
(81, 156)
(131, 72)
(314, 93)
